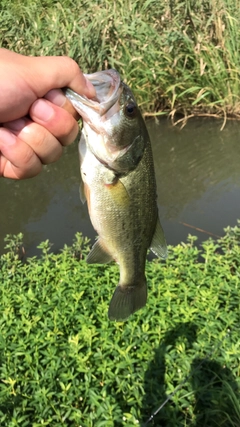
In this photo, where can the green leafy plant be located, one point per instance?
(63, 363)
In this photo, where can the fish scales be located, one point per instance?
(125, 227)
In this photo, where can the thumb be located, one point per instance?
(55, 72)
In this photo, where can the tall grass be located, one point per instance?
(178, 56)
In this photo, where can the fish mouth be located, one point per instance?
(101, 116)
(107, 84)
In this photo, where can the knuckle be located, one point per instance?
(72, 65)
(28, 155)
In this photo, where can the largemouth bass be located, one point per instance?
(118, 182)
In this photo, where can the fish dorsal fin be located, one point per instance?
(98, 254)
(158, 245)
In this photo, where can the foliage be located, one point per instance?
(178, 56)
(63, 363)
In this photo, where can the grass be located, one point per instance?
(63, 363)
(177, 56)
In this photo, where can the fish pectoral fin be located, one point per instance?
(118, 193)
(158, 245)
(82, 192)
(126, 300)
(82, 147)
(98, 254)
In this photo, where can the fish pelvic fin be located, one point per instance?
(98, 254)
(159, 245)
(126, 300)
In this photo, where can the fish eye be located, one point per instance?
(130, 109)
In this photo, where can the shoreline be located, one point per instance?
(177, 58)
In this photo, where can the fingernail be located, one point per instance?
(42, 110)
(56, 97)
(7, 137)
(18, 124)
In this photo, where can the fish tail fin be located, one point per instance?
(126, 300)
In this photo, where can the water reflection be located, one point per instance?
(197, 171)
(45, 207)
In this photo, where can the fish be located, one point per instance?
(118, 183)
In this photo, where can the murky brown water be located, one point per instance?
(198, 178)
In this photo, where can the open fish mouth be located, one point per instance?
(116, 140)
(108, 88)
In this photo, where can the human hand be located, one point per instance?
(36, 119)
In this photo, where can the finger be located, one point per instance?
(43, 144)
(17, 159)
(57, 97)
(55, 119)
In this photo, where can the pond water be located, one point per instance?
(198, 179)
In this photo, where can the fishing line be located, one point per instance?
(169, 397)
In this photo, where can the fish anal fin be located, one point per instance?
(158, 245)
(98, 254)
(126, 300)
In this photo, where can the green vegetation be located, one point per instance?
(179, 56)
(63, 363)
